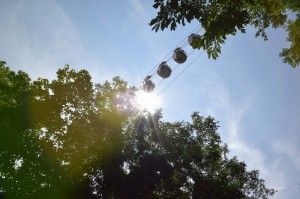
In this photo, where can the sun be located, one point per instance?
(148, 101)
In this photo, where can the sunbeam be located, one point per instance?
(148, 101)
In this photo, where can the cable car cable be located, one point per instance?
(185, 39)
(179, 74)
(175, 68)
(164, 71)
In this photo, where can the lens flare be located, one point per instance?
(148, 101)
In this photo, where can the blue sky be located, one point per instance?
(253, 95)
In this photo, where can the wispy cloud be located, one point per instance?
(232, 113)
(39, 38)
(290, 150)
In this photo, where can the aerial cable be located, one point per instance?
(179, 56)
(179, 64)
(185, 39)
(185, 43)
(179, 74)
(175, 68)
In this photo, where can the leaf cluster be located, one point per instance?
(221, 18)
(291, 55)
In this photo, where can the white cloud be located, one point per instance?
(231, 115)
(290, 151)
(39, 37)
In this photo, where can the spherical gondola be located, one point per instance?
(147, 85)
(179, 55)
(163, 70)
(194, 40)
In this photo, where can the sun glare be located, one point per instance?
(148, 101)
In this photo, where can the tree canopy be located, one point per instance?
(70, 138)
(220, 18)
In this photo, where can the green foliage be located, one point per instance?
(69, 138)
(291, 55)
(56, 131)
(220, 18)
(292, 5)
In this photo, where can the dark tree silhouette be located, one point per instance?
(69, 138)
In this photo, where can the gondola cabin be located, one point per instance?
(147, 85)
(179, 55)
(194, 40)
(163, 70)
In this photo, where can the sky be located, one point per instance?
(248, 89)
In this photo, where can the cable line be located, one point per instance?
(179, 74)
(179, 56)
(185, 39)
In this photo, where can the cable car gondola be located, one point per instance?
(163, 70)
(179, 55)
(194, 40)
(147, 85)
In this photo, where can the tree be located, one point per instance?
(70, 138)
(291, 55)
(52, 132)
(221, 18)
